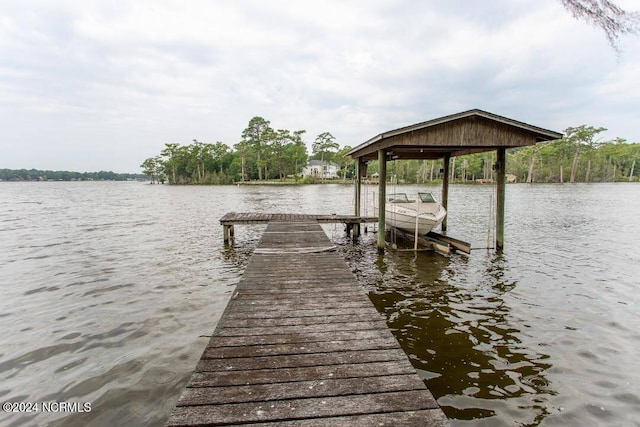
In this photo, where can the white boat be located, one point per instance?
(400, 212)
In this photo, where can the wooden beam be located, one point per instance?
(456, 243)
(382, 196)
(500, 172)
(228, 233)
(429, 243)
(469, 132)
(445, 190)
(358, 198)
(359, 164)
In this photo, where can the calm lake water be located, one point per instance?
(108, 291)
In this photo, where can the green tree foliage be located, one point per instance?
(49, 175)
(582, 139)
(257, 135)
(296, 154)
(608, 161)
(347, 164)
(581, 152)
(264, 153)
(152, 167)
(325, 145)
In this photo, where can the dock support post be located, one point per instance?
(228, 233)
(356, 210)
(445, 189)
(348, 228)
(382, 196)
(500, 171)
(359, 170)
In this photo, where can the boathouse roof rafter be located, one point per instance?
(468, 132)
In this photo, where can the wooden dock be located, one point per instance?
(263, 218)
(300, 344)
(228, 221)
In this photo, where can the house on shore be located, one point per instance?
(316, 168)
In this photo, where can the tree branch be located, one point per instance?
(607, 16)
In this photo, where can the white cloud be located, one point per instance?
(80, 76)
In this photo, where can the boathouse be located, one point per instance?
(468, 132)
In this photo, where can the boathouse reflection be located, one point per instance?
(460, 334)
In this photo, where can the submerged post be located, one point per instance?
(356, 211)
(500, 172)
(228, 233)
(359, 169)
(382, 195)
(445, 189)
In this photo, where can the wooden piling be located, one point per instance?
(360, 168)
(501, 192)
(228, 233)
(382, 198)
(445, 188)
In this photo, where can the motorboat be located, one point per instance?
(401, 212)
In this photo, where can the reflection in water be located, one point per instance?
(457, 329)
(108, 290)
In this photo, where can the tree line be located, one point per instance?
(263, 153)
(266, 154)
(580, 156)
(47, 175)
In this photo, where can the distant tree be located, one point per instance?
(242, 147)
(256, 135)
(297, 153)
(169, 153)
(151, 168)
(324, 144)
(563, 149)
(581, 138)
(279, 141)
(217, 156)
(196, 160)
(344, 161)
(607, 16)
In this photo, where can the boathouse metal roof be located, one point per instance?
(468, 132)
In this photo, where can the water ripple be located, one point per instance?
(108, 289)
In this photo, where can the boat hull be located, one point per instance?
(405, 219)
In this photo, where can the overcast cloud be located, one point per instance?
(102, 85)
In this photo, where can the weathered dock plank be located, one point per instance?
(315, 313)
(291, 409)
(300, 360)
(395, 419)
(296, 222)
(300, 348)
(299, 390)
(310, 373)
(300, 344)
(238, 321)
(300, 329)
(263, 218)
(222, 341)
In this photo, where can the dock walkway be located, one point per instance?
(263, 217)
(300, 344)
(352, 222)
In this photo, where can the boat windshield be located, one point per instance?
(426, 198)
(398, 198)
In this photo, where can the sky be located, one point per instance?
(102, 85)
